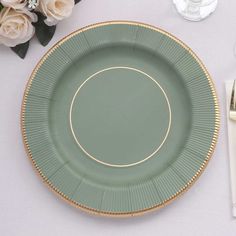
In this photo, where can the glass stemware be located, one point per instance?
(195, 10)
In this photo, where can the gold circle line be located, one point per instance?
(106, 163)
(174, 196)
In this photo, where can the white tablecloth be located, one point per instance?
(27, 207)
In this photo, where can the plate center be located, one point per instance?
(120, 116)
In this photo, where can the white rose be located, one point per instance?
(55, 10)
(15, 26)
(16, 4)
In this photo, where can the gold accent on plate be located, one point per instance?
(120, 165)
(167, 201)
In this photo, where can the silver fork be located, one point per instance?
(232, 111)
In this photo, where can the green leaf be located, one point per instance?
(1, 6)
(77, 1)
(21, 49)
(43, 32)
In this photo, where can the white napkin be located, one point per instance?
(231, 144)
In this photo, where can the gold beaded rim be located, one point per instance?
(167, 201)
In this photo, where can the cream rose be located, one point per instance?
(55, 10)
(16, 4)
(15, 26)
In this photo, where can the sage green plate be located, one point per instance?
(120, 118)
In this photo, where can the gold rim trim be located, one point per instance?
(176, 195)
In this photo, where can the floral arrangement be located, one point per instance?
(20, 20)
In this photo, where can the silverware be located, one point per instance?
(232, 111)
(232, 143)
